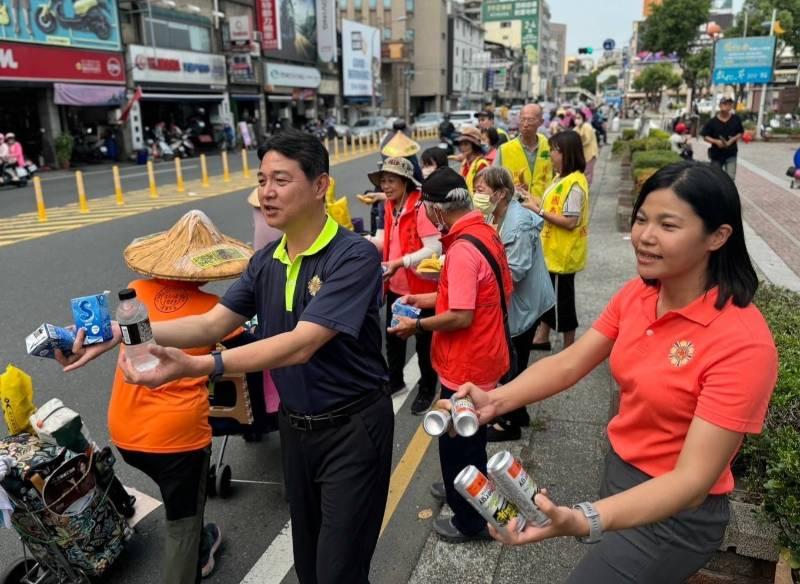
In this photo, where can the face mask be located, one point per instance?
(484, 204)
(427, 171)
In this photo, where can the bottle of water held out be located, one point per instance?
(136, 332)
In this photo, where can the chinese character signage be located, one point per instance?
(85, 24)
(268, 25)
(744, 60)
(361, 59)
(494, 10)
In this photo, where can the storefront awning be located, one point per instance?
(183, 96)
(89, 95)
(245, 96)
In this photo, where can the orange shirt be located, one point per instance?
(718, 365)
(174, 416)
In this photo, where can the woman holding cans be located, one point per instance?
(533, 295)
(408, 238)
(696, 366)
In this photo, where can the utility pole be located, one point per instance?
(763, 103)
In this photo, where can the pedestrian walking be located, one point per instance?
(527, 156)
(408, 238)
(519, 230)
(589, 142)
(723, 132)
(469, 340)
(696, 366)
(471, 149)
(565, 210)
(316, 293)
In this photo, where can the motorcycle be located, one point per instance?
(89, 15)
(13, 174)
(182, 145)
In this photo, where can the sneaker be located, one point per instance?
(438, 492)
(445, 529)
(212, 538)
(423, 401)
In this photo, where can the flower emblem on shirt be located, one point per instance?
(681, 353)
(314, 285)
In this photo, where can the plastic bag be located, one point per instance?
(330, 194)
(340, 213)
(16, 397)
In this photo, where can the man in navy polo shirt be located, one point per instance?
(317, 295)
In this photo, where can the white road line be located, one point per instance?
(122, 173)
(277, 560)
(769, 262)
(145, 504)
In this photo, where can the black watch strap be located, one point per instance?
(219, 367)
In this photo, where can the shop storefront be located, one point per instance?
(46, 91)
(245, 81)
(291, 94)
(181, 88)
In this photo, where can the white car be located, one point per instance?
(428, 121)
(463, 118)
(366, 126)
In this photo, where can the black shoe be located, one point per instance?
(546, 346)
(423, 401)
(213, 538)
(445, 529)
(503, 432)
(397, 388)
(438, 492)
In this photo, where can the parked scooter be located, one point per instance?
(11, 174)
(89, 15)
(181, 145)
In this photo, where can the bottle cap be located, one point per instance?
(127, 294)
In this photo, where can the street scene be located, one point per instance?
(421, 292)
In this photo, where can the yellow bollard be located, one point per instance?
(84, 205)
(226, 175)
(37, 188)
(336, 147)
(204, 170)
(245, 166)
(361, 143)
(327, 145)
(152, 179)
(117, 185)
(178, 175)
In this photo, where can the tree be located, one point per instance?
(655, 79)
(760, 11)
(697, 69)
(589, 82)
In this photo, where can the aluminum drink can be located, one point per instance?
(517, 485)
(436, 422)
(465, 418)
(487, 500)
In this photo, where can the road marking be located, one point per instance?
(768, 176)
(404, 472)
(278, 559)
(773, 266)
(145, 504)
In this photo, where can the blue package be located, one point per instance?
(44, 341)
(403, 309)
(91, 313)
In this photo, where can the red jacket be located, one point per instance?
(410, 241)
(478, 353)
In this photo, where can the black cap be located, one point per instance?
(441, 183)
(127, 294)
(726, 100)
(485, 114)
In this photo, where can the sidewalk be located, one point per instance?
(566, 444)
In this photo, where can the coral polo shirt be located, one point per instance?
(718, 365)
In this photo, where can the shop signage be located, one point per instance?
(87, 24)
(169, 66)
(361, 59)
(326, 30)
(291, 76)
(267, 11)
(240, 29)
(241, 70)
(744, 60)
(31, 62)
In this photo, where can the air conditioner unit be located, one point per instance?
(257, 37)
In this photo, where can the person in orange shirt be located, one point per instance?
(164, 432)
(696, 365)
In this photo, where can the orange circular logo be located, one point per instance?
(171, 299)
(681, 353)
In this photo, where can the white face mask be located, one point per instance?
(484, 203)
(427, 171)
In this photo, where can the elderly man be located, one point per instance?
(469, 337)
(528, 155)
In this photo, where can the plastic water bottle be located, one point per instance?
(134, 323)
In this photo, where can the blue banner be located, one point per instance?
(744, 60)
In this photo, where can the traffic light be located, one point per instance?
(585, 50)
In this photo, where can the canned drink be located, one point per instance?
(487, 500)
(465, 418)
(507, 473)
(436, 422)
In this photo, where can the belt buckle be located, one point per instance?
(307, 426)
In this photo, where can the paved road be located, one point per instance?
(39, 278)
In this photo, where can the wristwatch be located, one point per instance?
(595, 526)
(219, 367)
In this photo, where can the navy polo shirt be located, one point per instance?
(335, 283)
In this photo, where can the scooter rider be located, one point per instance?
(5, 160)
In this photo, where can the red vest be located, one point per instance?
(478, 353)
(410, 241)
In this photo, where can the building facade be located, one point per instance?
(466, 83)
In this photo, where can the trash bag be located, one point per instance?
(340, 212)
(16, 397)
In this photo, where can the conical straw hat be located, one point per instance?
(252, 198)
(400, 146)
(192, 250)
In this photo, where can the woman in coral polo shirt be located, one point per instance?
(696, 365)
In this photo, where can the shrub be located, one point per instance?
(63, 145)
(640, 175)
(628, 134)
(653, 159)
(772, 458)
(785, 131)
(619, 147)
(660, 134)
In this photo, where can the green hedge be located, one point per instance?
(628, 134)
(660, 134)
(653, 159)
(773, 457)
(785, 131)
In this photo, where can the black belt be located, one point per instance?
(336, 417)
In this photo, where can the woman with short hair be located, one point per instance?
(471, 150)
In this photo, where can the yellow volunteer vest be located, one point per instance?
(477, 165)
(512, 156)
(564, 250)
